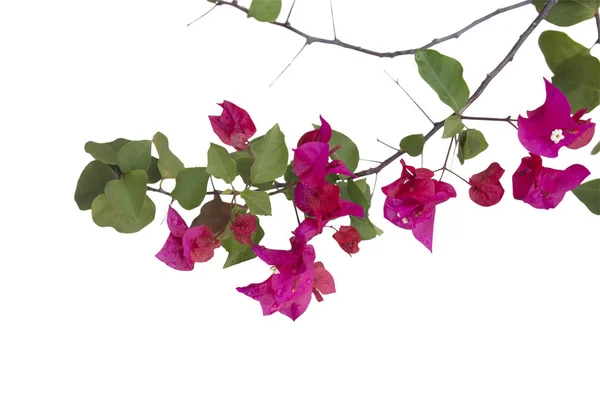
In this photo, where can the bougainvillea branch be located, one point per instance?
(438, 125)
(390, 54)
(322, 180)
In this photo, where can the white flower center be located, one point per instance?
(557, 136)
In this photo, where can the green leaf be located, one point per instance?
(589, 194)
(270, 157)
(127, 194)
(153, 172)
(596, 149)
(569, 12)
(259, 203)
(190, 187)
(265, 10)
(470, 143)
(365, 227)
(348, 151)
(452, 126)
(358, 196)
(579, 79)
(135, 155)
(444, 75)
(238, 252)
(105, 214)
(106, 152)
(291, 179)
(215, 214)
(558, 47)
(413, 144)
(91, 183)
(168, 163)
(220, 163)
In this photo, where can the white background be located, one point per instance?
(507, 307)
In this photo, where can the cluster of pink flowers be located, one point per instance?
(410, 202)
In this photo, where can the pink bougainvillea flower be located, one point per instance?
(486, 189)
(289, 290)
(324, 204)
(588, 132)
(411, 201)
(551, 126)
(172, 251)
(543, 187)
(338, 167)
(348, 238)
(310, 163)
(234, 126)
(323, 282)
(322, 134)
(243, 226)
(199, 244)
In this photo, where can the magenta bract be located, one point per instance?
(242, 227)
(543, 187)
(172, 251)
(411, 201)
(199, 244)
(234, 126)
(486, 189)
(289, 290)
(348, 238)
(551, 126)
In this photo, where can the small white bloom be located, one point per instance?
(557, 136)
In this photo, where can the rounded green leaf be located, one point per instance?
(190, 187)
(265, 10)
(365, 228)
(106, 152)
(135, 155)
(220, 163)
(596, 149)
(270, 157)
(558, 47)
(444, 75)
(168, 163)
(359, 195)
(259, 203)
(569, 12)
(106, 214)
(470, 143)
(413, 144)
(348, 151)
(153, 172)
(452, 126)
(579, 79)
(91, 183)
(127, 194)
(589, 194)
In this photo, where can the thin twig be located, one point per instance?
(287, 20)
(385, 144)
(391, 54)
(203, 15)
(296, 211)
(290, 63)
(332, 19)
(509, 57)
(507, 119)
(438, 125)
(446, 160)
(373, 161)
(458, 176)
(159, 190)
(409, 96)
